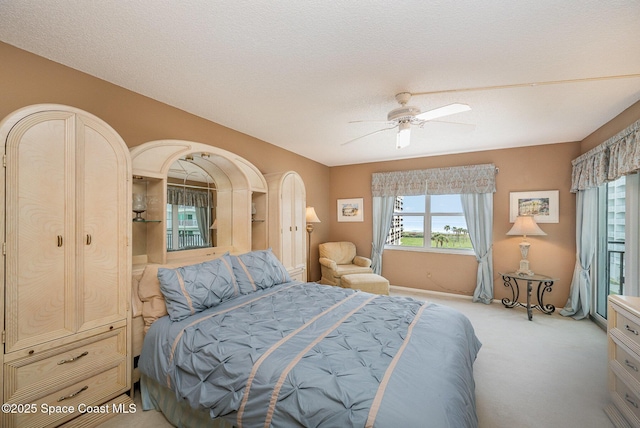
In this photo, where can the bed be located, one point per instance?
(240, 344)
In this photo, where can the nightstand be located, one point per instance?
(514, 280)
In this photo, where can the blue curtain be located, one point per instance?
(578, 304)
(478, 212)
(382, 217)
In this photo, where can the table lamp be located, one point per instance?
(525, 225)
(311, 217)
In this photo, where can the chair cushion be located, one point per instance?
(350, 269)
(340, 252)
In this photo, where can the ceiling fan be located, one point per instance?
(405, 116)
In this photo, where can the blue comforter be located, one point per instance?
(313, 355)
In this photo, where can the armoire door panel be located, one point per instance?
(299, 214)
(288, 222)
(100, 227)
(40, 245)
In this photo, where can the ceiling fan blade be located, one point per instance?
(370, 133)
(461, 125)
(443, 111)
(368, 121)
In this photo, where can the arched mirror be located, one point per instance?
(191, 205)
(197, 197)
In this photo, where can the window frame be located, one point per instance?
(427, 222)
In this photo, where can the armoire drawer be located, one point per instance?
(629, 327)
(298, 274)
(70, 401)
(46, 371)
(627, 400)
(628, 361)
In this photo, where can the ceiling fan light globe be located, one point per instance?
(403, 139)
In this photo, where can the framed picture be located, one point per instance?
(542, 205)
(350, 209)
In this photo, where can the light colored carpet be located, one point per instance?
(548, 372)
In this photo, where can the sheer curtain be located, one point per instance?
(578, 306)
(382, 217)
(478, 212)
(202, 216)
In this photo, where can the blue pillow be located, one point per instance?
(191, 289)
(258, 270)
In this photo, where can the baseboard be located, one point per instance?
(431, 292)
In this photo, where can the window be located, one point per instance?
(439, 217)
(189, 217)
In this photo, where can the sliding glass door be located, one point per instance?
(616, 266)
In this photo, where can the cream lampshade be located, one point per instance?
(525, 225)
(311, 217)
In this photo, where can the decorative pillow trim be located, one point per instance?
(246, 270)
(236, 288)
(186, 295)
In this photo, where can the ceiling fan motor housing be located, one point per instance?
(403, 113)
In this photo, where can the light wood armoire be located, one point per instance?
(66, 279)
(623, 332)
(287, 227)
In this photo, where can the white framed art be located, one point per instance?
(542, 205)
(350, 209)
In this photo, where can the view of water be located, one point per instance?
(439, 204)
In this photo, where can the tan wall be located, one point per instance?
(27, 79)
(546, 167)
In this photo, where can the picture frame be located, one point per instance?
(543, 205)
(351, 210)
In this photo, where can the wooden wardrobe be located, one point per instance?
(287, 226)
(66, 285)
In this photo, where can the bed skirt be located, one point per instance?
(179, 413)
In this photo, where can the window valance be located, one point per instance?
(618, 156)
(188, 196)
(436, 181)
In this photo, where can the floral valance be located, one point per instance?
(435, 181)
(618, 156)
(188, 196)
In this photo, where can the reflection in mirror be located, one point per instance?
(191, 204)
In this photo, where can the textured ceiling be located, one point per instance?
(295, 73)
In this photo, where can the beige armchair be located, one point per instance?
(338, 259)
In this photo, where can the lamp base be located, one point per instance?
(309, 232)
(524, 269)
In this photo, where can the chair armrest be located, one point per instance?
(328, 263)
(362, 261)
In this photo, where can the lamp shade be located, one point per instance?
(311, 215)
(525, 225)
(214, 225)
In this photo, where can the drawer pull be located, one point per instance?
(72, 359)
(84, 388)
(631, 330)
(628, 398)
(628, 363)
